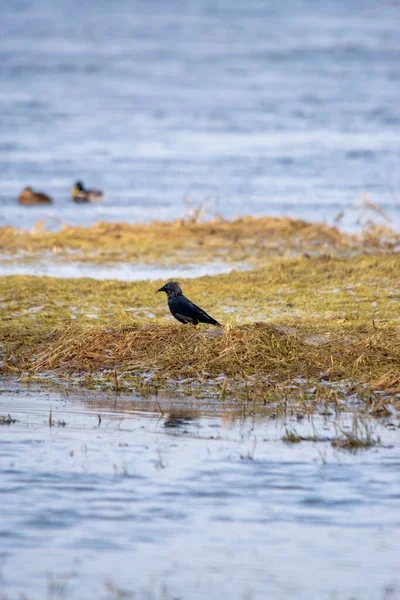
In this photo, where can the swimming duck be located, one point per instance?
(80, 194)
(29, 198)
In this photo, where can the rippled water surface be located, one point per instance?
(173, 500)
(269, 107)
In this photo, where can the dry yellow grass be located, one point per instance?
(298, 331)
(177, 242)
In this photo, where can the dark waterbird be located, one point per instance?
(81, 195)
(182, 308)
(30, 198)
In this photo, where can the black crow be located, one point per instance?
(182, 309)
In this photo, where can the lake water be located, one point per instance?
(49, 267)
(174, 499)
(284, 108)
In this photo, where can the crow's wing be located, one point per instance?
(184, 319)
(183, 307)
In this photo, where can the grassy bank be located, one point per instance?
(182, 241)
(299, 332)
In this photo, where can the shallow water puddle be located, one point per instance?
(173, 500)
(116, 271)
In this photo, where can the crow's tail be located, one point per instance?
(213, 322)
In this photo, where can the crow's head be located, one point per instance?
(172, 289)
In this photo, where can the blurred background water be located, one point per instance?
(283, 108)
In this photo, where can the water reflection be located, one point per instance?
(179, 420)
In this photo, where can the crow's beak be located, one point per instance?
(161, 289)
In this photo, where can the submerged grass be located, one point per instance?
(361, 435)
(298, 332)
(7, 420)
(292, 437)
